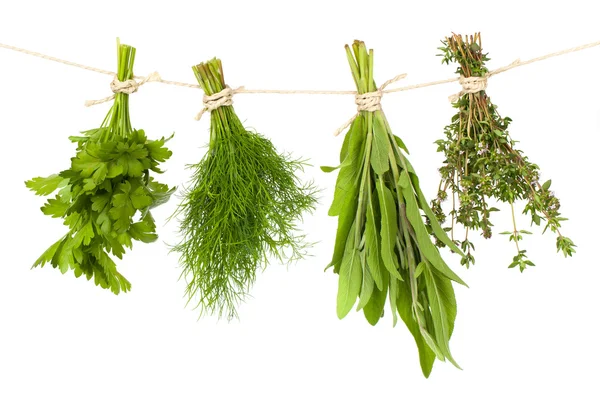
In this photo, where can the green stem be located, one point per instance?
(514, 221)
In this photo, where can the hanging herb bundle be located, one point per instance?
(382, 247)
(241, 207)
(482, 163)
(106, 195)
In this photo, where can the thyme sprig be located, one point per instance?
(382, 247)
(106, 196)
(241, 208)
(482, 164)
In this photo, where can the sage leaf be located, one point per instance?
(349, 282)
(379, 153)
(389, 228)
(443, 310)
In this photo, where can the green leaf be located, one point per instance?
(404, 181)
(393, 292)
(404, 306)
(114, 170)
(419, 270)
(372, 247)
(349, 282)
(100, 201)
(380, 147)
(443, 310)
(84, 235)
(104, 223)
(401, 144)
(373, 310)
(348, 178)
(140, 198)
(130, 165)
(546, 185)
(367, 286)
(86, 164)
(48, 255)
(108, 272)
(122, 209)
(389, 228)
(55, 207)
(160, 193)
(144, 231)
(157, 149)
(346, 193)
(430, 342)
(426, 246)
(46, 185)
(64, 255)
(437, 229)
(328, 169)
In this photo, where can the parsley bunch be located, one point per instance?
(382, 247)
(241, 207)
(482, 164)
(106, 195)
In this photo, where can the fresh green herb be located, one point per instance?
(382, 247)
(106, 196)
(483, 164)
(241, 207)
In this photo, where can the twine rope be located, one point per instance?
(216, 100)
(128, 86)
(369, 102)
(466, 84)
(475, 84)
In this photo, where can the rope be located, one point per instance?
(369, 101)
(128, 86)
(469, 85)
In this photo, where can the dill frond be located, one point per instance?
(241, 208)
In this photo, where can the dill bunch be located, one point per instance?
(482, 163)
(241, 208)
(106, 195)
(382, 248)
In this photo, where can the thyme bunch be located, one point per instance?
(382, 248)
(241, 208)
(483, 164)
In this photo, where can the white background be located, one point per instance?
(527, 342)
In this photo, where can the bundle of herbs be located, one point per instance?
(106, 195)
(482, 164)
(241, 207)
(383, 247)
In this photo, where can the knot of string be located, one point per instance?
(471, 84)
(216, 100)
(369, 102)
(128, 86)
(475, 84)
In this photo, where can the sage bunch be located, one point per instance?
(383, 251)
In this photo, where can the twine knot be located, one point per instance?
(128, 86)
(369, 102)
(216, 100)
(471, 84)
